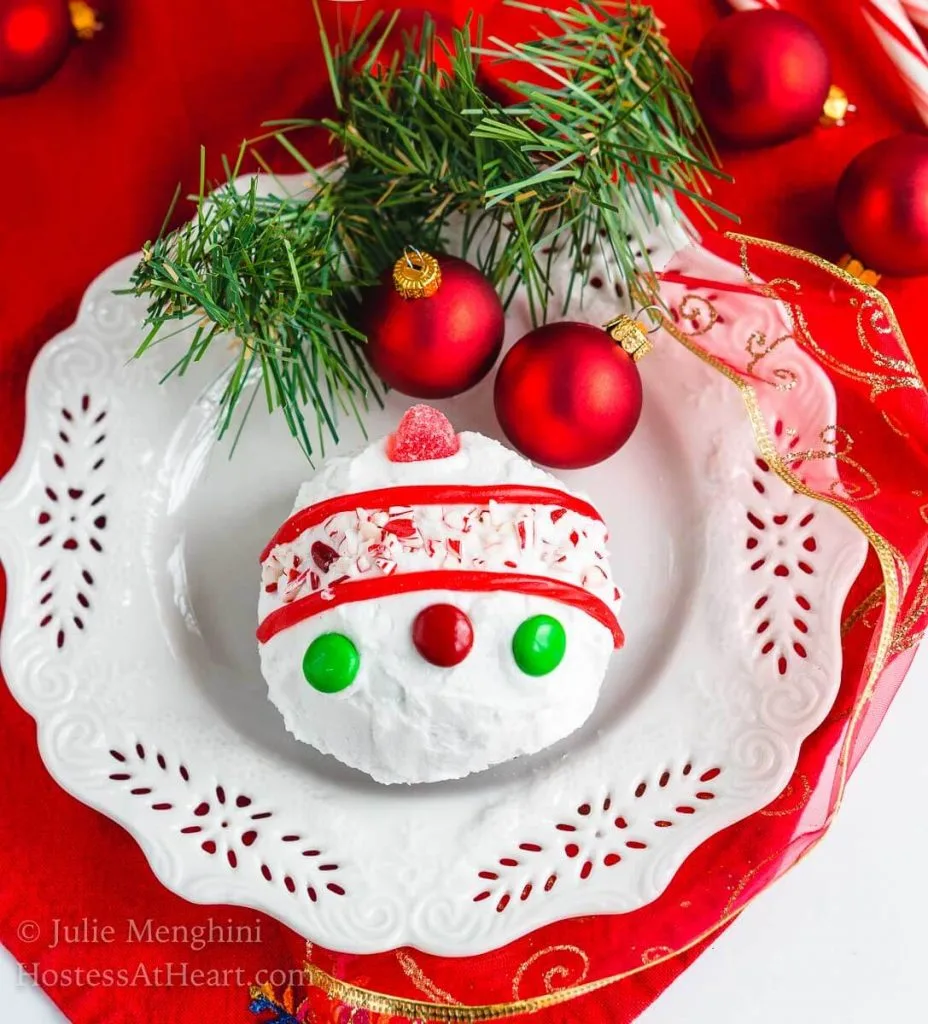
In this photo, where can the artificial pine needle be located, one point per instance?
(571, 164)
(263, 270)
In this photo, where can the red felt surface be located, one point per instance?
(88, 164)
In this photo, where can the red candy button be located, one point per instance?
(443, 634)
(423, 433)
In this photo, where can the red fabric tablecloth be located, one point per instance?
(88, 164)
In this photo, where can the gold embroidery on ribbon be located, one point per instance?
(750, 876)
(786, 379)
(702, 315)
(907, 634)
(880, 324)
(758, 347)
(788, 796)
(873, 600)
(838, 443)
(880, 383)
(890, 422)
(692, 309)
(874, 301)
(910, 641)
(358, 997)
(553, 973)
(655, 953)
(421, 980)
(902, 566)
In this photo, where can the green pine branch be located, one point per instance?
(576, 163)
(264, 274)
(588, 155)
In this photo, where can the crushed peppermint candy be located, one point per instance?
(323, 555)
(497, 537)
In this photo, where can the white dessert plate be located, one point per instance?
(131, 540)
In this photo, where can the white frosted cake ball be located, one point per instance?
(436, 604)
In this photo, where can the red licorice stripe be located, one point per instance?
(675, 277)
(440, 579)
(426, 494)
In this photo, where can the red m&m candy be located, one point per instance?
(443, 634)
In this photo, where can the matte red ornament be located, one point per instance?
(567, 395)
(882, 205)
(35, 36)
(442, 339)
(443, 634)
(761, 77)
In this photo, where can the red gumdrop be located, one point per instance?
(423, 433)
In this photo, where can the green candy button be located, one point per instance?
(331, 662)
(539, 644)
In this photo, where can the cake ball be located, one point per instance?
(436, 604)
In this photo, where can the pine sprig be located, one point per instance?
(610, 141)
(265, 273)
(589, 155)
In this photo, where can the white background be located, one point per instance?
(839, 939)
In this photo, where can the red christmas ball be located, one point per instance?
(435, 328)
(882, 204)
(35, 36)
(567, 395)
(760, 77)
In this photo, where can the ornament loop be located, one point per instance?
(416, 275)
(658, 320)
(631, 334)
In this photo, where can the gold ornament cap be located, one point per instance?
(631, 334)
(84, 19)
(855, 268)
(416, 275)
(837, 108)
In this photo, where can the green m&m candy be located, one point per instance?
(539, 644)
(331, 662)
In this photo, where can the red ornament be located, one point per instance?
(761, 77)
(435, 329)
(443, 634)
(35, 36)
(567, 395)
(882, 203)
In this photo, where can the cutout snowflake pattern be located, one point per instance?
(72, 519)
